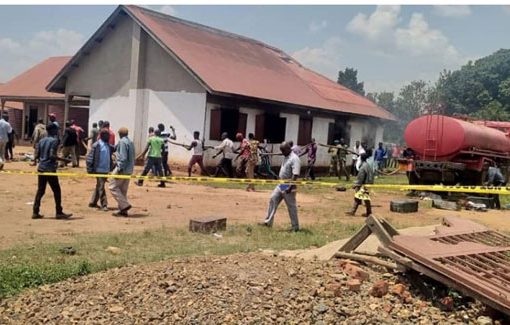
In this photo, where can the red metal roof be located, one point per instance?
(229, 63)
(32, 83)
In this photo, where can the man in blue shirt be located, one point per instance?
(379, 155)
(46, 154)
(125, 153)
(5, 129)
(99, 161)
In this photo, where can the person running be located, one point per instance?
(243, 153)
(69, 142)
(226, 148)
(164, 154)
(197, 157)
(311, 152)
(5, 129)
(154, 147)
(362, 195)
(46, 154)
(289, 170)
(99, 161)
(125, 164)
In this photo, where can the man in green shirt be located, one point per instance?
(154, 145)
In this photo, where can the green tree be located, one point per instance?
(493, 111)
(349, 79)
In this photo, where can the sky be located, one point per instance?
(388, 45)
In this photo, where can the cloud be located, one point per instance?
(169, 10)
(506, 9)
(452, 11)
(17, 56)
(324, 59)
(317, 26)
(418, 39)
(377, 25)
(381, 30)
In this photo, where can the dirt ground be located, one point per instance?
(175, 205)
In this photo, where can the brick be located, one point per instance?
(353, 285)
(379, 289)
(355, 272)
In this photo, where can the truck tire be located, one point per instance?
(404, 206)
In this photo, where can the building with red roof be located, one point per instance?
(26, 99)
(142, 67)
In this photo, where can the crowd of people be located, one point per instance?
(54, 147)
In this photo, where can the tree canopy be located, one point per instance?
(349, 79)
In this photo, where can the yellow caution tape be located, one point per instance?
(503, 190)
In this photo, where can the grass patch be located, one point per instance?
(24, 267)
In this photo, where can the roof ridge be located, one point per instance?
(208, 28)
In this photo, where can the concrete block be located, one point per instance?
(207, 225)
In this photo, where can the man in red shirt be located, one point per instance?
(111, 140)
(244, 154)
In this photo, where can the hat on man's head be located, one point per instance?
(123, 130)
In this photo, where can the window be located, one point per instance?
(270, 127)
(305, 131)
(227, 120)
(337, 131)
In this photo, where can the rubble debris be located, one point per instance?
(445, 205)
(429, 196)
(379, 289)
(487, 201)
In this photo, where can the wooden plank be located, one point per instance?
(357, 239)
(389, 228)
(378, 229)
(367, 259)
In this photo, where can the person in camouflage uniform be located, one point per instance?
(333, 163)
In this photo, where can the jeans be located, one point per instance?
(41, 189)
(290, 200)
(153, 163)
(164, 161)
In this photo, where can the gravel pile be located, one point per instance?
(242, 288)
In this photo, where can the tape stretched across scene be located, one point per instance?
(503, 190)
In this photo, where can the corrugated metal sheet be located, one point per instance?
(233, 64)
(32, 83)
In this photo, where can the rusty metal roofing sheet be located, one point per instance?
(32, 83)
(469, 254)
(229, 63)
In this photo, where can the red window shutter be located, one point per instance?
(305, 131)
(241, 124)
(215, 126)
(260, 124)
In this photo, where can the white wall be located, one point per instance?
(184, 111)
(320, 128)
(292, 127)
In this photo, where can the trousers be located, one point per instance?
(41, 189)
(70, 151)
(225, 166)
(153, 163)
(99, 193)
(164, 162)
(119, 189)
(290, 200)
(3, 144)
(310, 170)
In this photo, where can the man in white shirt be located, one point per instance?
(290, 170)
(227, 149)
(198, 147)
(5, 129)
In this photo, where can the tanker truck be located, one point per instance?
(452, 151)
